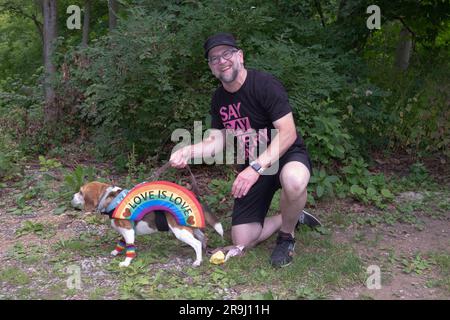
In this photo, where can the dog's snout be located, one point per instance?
(77, 201)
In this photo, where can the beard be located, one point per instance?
(228, 78)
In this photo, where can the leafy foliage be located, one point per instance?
(10, 158)
(80, 176)
(131, 87)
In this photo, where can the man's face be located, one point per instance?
(229, 61)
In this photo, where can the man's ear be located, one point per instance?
(241, 56)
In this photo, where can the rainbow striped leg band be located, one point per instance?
(131, 251)
(120, 246)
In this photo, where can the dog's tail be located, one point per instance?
(212, 220)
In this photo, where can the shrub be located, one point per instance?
(10, 157)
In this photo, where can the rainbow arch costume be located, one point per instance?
(158, 196)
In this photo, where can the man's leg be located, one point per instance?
(294, 178)
(249, 213)
(246, 234)
(250, 234)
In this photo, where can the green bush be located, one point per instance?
(130, 88)
(322, 184)
(137, 83)
(364, 186)
(325, 136)
(74, 180)
(413, 115)
(10, 157)
(21, 115)
(126, 81)
(303, 71)
(361, 107)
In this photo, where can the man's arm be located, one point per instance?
(207, 148)
(287, 134)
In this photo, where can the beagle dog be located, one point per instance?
(102, 197)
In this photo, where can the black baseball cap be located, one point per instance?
(219, 39)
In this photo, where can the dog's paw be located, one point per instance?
(197, 263)
(125, 263)
(115, 252)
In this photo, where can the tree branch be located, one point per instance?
(19, 12)
(404, 24)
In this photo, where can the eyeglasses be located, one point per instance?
(227, 54)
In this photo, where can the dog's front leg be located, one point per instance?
(125, 228)
(120, 246)
(130, 249)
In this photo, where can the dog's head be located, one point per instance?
(95, 196)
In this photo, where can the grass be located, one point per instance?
(87, 244)
(30, 255)
(434, 205)
(162, 269)
(98, 294)
(319, 266)
(36, 228)
(14, 276)
(416, 264)
(312, 274)
(340, 219)
(442, 261)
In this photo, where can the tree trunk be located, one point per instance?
(319, 10)
(339, 15)
(113, 6)
(87, 17)
(403, 49)
(50, 33)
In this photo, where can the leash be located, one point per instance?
(163, 168)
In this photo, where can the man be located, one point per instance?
(249, 99)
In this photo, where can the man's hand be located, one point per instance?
(180, 158)
(244, 181)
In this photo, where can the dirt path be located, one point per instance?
(38, 246)
(388, 247)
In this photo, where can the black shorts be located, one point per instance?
(254, 206)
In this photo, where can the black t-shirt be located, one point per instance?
(251, 111)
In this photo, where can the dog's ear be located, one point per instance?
(115, 193)
(89, 203)
(90, 199)
(110, 197)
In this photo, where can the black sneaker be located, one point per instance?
(284, 250)
(309, 220)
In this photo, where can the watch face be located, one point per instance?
(257, 167)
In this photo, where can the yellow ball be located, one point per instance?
(217, 258)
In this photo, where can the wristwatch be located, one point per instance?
(257, 167)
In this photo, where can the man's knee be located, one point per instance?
(294, 190)
(294, 180)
